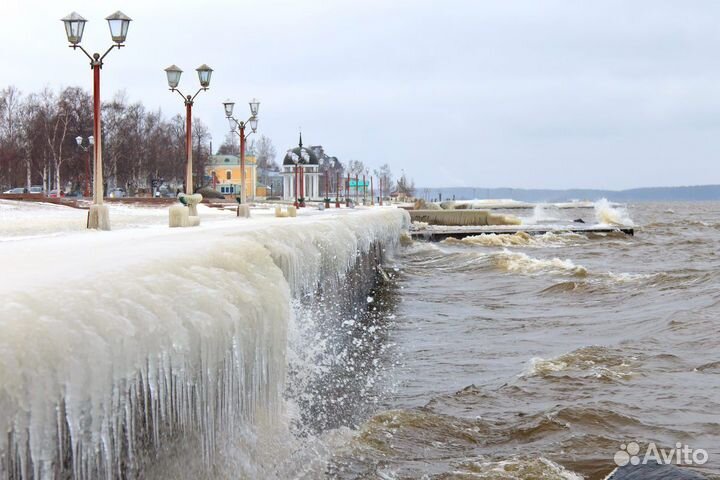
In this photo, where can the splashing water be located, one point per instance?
(542, 213)
(609, 214)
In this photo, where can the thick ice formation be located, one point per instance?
(111, 342)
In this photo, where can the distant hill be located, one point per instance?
(650, 194)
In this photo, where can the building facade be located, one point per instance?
(225, 175)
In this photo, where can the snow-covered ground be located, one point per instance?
(23, 220)
(39, 240)
(30, 219)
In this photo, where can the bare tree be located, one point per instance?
(385, 176)
(11, 113)
(405, 187)
(201, 150)
(37, 139)
(54, 117)
(356, 167)
(230, 146)
(77, 104)
(265, 153)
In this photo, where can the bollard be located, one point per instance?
(191, 201)
(179, 216)
(186, 214)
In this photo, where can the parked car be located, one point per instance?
(16, 190)
(56, 194)
(164, 192)
(117, 193)
(36, 189)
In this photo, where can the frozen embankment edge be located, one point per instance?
(189, 338)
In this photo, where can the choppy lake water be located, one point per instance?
(538, 357)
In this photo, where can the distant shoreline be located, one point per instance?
(695, 193)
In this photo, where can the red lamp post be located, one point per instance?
(326, 199)
(357, 189)
(302, 185)
(347, 190)
(364, 191)
(337, 190)
(253, 122)
(297, 185)
(173, 79)
(372, 192)
(98, 217)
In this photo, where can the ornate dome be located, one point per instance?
(302, 155)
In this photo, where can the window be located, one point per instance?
(228, 175)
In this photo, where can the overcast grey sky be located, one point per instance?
(536, 93)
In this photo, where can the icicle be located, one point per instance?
(174, 343)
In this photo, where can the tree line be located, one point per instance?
(38, 146)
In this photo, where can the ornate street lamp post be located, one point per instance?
(380, 179)
(98, 217)
(325, 166)
(347, 190)
(234, 122)
(296, 160)
(173, 78)
(336, 165)
(365, 187)
(91, 142)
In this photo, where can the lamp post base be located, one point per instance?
(243, 211)
(98, 217)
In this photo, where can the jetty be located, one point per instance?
(434, 233)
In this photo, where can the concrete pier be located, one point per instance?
(461, 217)
(436, 234)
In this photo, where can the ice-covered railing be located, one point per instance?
(189, 339)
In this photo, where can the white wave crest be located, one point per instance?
(518, 262)
(519, 239)
(591, 361)
(516, 469)
(609, 214)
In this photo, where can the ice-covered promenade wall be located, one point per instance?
(112, 343)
